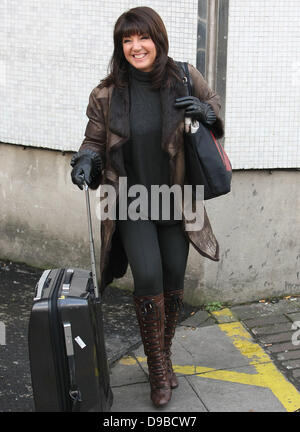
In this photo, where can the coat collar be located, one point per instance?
(172, 117)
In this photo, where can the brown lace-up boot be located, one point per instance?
(151, 314)
(173, 306)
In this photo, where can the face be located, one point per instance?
(139, 51)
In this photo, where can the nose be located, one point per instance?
(136, 45)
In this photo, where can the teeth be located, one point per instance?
(139, 56)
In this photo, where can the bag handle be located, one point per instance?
(189, 124)
(186, 76)
(189, 79)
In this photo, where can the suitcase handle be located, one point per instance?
(92, 248)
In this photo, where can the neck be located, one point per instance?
(139, 75)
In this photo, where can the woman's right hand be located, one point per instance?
(82, 172)
(87, 165)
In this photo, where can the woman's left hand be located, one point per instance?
(201, 111)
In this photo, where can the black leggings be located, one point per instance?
(157, 255)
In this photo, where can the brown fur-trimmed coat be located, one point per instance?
(108, 129)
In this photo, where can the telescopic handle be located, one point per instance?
(92, 248)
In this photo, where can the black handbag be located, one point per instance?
(206, 161)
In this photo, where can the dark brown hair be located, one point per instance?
(141, 20)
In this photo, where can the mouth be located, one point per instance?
(139, 56)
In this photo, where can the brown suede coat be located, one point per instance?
(108, 129)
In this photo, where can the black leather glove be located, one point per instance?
(87, 165)
(194, 108)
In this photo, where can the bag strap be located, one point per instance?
(189, 78)
(186, 76)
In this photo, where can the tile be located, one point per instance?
(262, 310)
(271, 329)
(127, 371)
(272, 319)
(206, 347)
(289, 355)
(197, 319)
(281, 347)
(220, 396)
(279, 337)
(291, 364)
(136, 397)
(295, 316)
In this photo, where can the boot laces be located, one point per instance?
(151, 316)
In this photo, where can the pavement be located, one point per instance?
(243, 358)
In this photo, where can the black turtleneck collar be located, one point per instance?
(139, 75)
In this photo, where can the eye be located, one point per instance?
(146, 37)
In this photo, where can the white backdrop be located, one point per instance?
(54, 52)
(263, 84)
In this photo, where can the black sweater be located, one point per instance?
(145, 160)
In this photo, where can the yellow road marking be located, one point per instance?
(224, 314)
(267, 375)
(127, 361)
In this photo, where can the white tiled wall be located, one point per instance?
(53, 52)
(263, 84)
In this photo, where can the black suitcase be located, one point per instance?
(68, 362)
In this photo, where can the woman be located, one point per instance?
(135, 130)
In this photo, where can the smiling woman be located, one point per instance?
(135, 131)
(140, 31)
(140, 51)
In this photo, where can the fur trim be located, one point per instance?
(172, 117)
(119, 112)
(217, 128)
